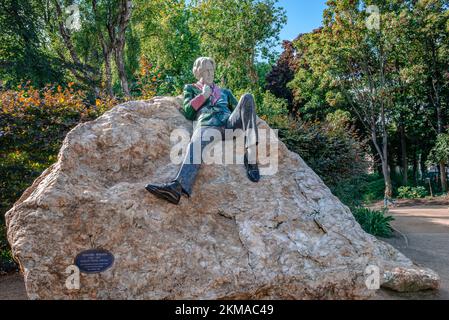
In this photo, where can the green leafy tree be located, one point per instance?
(431, 18)
(84, 36)
(332, 148)
(236, 33)
(440, 152)
(23, 54)
(347, 56)
(168, 39)
(379, 73)
(283, 72)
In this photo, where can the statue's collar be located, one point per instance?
(216, 91)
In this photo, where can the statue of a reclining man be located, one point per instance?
(212, 108)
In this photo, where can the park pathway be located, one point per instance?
(423, 236)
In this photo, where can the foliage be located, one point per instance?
(149, 79)
(7, 263)
(37, 44)
(331, 148)
(359, 190)
(440, 152)
(282, 73)
(335, 154)
(412, 192)
(33, 124)
(165, 29)
(273, 110)
(23, 55)
(374, 222)
(236, 33)
(373, 189)
(262, 70)
(392, 79)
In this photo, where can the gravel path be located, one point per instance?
(423, 237)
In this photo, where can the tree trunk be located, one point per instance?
(415, 167)
(120, 62)
(252, 71)
(386, 172)
(443, 177)
(385, 166)
(404, 156)
(82, 71)
(387, 177)
(435, 97)
(383, 154)
(107, 48)
(108, 72)
(423, 166)
(442, 166)
(119, 43)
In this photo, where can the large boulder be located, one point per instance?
(286, 237)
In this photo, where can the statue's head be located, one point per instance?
(204, 70)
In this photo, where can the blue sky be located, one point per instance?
(303, 16)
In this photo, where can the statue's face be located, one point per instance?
(207, 73)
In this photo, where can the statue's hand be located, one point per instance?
(207, 91)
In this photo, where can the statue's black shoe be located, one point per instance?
(171, 191)
(252, 170)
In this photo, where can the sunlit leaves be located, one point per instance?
(236, 33)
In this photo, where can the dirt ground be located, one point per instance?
(12, 287)
(422, 234)
(427, 202)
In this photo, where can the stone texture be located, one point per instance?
(410, 280)
(287, 237)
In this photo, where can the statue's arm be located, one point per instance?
(187, 107)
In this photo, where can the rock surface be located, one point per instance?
(287, 237)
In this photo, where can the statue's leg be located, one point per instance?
(244, 117)
(193, 159)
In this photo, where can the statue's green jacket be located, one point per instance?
(210, 114)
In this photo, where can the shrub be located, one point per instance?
(335, 154)
(355, 191)
(7, 263)
(331, 148)
(273, 110)
(149, 79)
(440, 152)
(373, 189)
(33, 124)
(412, 192)
(374, 222)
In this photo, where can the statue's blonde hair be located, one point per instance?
(199, 63)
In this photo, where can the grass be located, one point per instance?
(374, 222)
